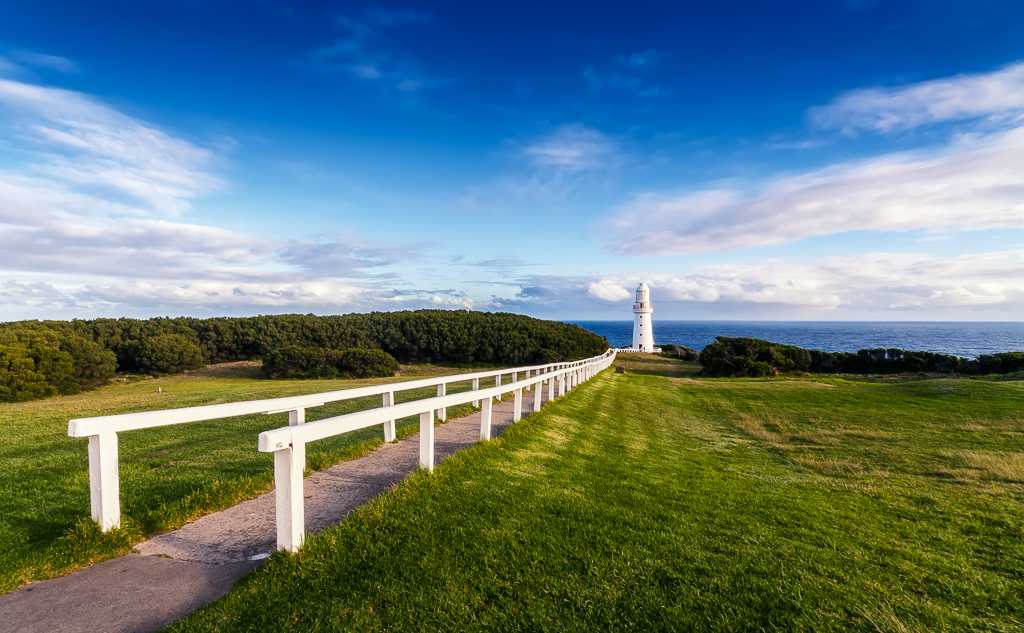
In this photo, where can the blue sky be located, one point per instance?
(821, 160)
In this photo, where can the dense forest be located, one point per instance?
(42, 358)
(729, 356)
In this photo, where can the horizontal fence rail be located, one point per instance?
(104, 486)
(288, 444)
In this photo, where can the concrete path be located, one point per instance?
(176, 573)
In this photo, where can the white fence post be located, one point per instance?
(476, 387)
(388, 400)
(104, 487)
(497, 383)
(517, 405)
(537, 395)
(296, 417)
(485, 418)
(288, 501)
(442, 413)
(427, 440)
(551, 389)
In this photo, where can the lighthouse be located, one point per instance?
(643, 328)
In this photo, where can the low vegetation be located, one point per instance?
(728, 356)
(169, 475)
(42, 358)
(657, 500)
(297, 361)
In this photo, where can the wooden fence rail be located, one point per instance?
(104, 485)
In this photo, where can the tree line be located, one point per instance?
(42, 358)
(735, 356)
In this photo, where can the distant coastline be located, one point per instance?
(962, 338)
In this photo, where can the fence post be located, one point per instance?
(551, 389)
(537, 395)
(289, 506)
(476, 387)
(485, 418)
(427, 440)
(497, 383)
(517, 405)
(104, 487)
(388, 400)
(442, 413)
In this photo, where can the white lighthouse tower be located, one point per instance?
(643, 328)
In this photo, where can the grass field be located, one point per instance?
(168, 475)
(664, 502)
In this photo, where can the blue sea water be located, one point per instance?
(968, 339)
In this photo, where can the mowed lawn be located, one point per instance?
(647, 502)
(168, 475)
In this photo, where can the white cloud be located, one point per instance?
(973, 182)
(904, 107)
(873, 285)
(91, 222)
(607, 290)
(572, 148)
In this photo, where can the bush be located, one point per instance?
(743, 357)
(1003, 363)
(19, 379)
(364, 363)
(680, 352)
(169, 354)
(297, 361)
(751, 357)
(39, 361)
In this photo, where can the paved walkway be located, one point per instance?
(174, 574)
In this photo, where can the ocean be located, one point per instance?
(968, 339)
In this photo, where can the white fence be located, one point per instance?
(288, 443)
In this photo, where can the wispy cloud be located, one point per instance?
(632, 72)
(44, 60)
(91, 221)
(365, 49)
(894, 109)
(83, 143)
(572, 148)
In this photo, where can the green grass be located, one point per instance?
(646, 502)
(168, 475)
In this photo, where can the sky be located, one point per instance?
(826, 160)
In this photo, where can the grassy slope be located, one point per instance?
(168, 475)
(644, 502)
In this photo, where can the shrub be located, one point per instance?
(679, 351)
(364, 363)
(297, 361)
(40, 361)
(19, 379)
(1003, 363)
(168, 354)
(728, 356)
(742, 357)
